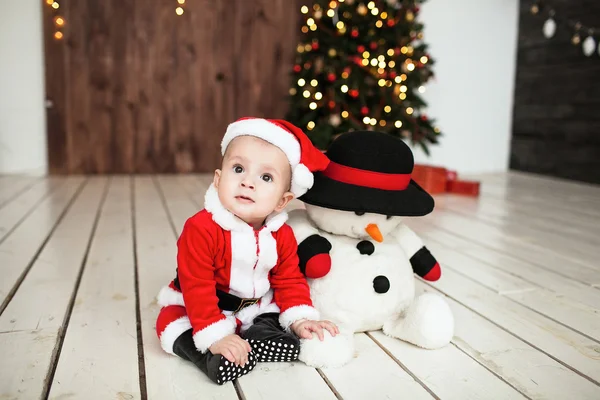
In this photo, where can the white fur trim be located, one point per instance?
(293, 314)
(409, 241)
(169, 297)
(243, 259)
(205, 338)
(302, 180)
(172, 332)
(267, 131)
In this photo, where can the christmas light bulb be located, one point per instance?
(304, 10)
(318, 95)
(392, 64)
(179, 11)
(382, 123)
(367, 120)
(403, 88)
(55, 5)
(424, 59)
(387, 109)
(381, 57)
(306, 94)
(403, 77)
(310, 21)
(59, 21)
(344, 88)
(379, 24)
(313, 27)
(404, 49)
(304, 29)
(409, 110)
(340, 25)
(310, 125)
(373, 121)
(371, 5)
(375, 11)
(380, 71)
(345, 114)
(374, 62)
(398, 124)
(181, 1)
(330, 13)
(382, 64)
(301, 82)
(313, 105)
(58, 35)
(307, 47)
(314, 83)
(390, 52)
(365, 62)
(410, 66)
(402, 96)
(332, 4)
(397, 79)
(383, 15)
(381, 82)
(421, 89)
(345, 75)
(366, 54)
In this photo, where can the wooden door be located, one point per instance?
(133, 87)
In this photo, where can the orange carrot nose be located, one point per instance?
(373, 231)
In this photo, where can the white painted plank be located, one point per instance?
(373, 374)
(167, 376)
(42, 300)
(530, 371)
(25, 380)
(179, 204)
(536, 276)
(283, 380)
(14, 212)
(562, 343)
(99, 354)
(503, 258)
(17, 251)
(503, 242)
(448, 372)
(11, 189)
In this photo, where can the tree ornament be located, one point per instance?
(353, 93)
(589, 46)
(315, 45)
(364, 110)
(391, 22)
(335, 120)
(409, 16)
(354, 33)
(331, 104)
(549, 26)
(297, 68)
(331, 77)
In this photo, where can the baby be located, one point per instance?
(239, 297)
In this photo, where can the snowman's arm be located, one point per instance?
(423, 262)
(313, 249)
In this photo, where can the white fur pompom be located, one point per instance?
(302, 180)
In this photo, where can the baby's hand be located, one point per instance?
(304, 328)
(233, 348)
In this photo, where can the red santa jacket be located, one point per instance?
(217, 250)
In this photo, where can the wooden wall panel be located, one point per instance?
(140, 89)
(557, 96)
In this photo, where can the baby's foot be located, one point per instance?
(274, 350)
(227, 371)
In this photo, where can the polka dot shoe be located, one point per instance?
(274, 350)
(228, 371)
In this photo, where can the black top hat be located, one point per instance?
(369, 172)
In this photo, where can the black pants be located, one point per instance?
(268, 340)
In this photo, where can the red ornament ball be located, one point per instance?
(364, 110)
(373, 45)
(297, 68)
(331, 77)
(353, 93)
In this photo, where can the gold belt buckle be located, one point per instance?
(246, 302)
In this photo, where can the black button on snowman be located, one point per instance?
(361, 286)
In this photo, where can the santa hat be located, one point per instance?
(303, 156)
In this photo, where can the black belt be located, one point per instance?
(227, 301)
(230, 302)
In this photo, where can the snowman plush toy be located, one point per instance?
(358, 255)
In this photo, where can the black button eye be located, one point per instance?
(381, 284)
(365, 247)
(359, 213)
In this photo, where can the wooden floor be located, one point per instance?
(82, 259)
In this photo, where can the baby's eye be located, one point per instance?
(267, 178)
(238, 169)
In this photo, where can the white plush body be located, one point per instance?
(347, 297)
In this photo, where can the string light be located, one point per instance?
(310, 21)
(367, 120)
(379, 24)
(330, 13)
(313, 27)
(381, 82)
(344, 88)
(58, 35)
(306, 94)
(313, 105)
(310, 125)
(392, 64)
(410, 66)
(332, 4)
(304, 29)
(382, 122)
(402, 96)
(373, 121)
(383, 15)
(375, 11)
(59, 21)
(387, 109)
(318, 95)
(366, 54)
(409, 110)
(314, 83)
(403, 77)
(397, 79)
(301, 82)
(403, 88)
(382, 64)
(345, 114)
(424, 59)
(398, 124)
(340, 25)
(179, 11)
(304, 10)
(421, 89)
(49, 2)
(371, 5)
(55, 5)
(365, 61)
(390, 52)
(345, 75)
(374, 62)
(181, 1)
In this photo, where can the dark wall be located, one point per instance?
(556, 122)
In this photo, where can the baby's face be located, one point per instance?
(254, 180)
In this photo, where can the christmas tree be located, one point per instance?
(361, 65)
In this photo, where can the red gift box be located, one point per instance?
(470, 188)
(432, 179)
